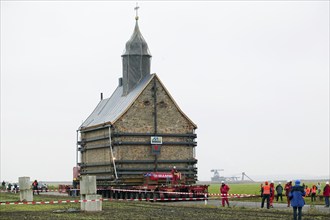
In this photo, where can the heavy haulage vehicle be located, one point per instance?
(157, 186)
(132, 140)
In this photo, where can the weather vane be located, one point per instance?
(136, 11)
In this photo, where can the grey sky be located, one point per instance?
(253, 76)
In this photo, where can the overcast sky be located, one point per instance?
(253, 76)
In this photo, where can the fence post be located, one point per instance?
(90, 201)
(25, 191)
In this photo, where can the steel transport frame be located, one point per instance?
(155, 193)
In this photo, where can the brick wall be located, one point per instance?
(140, 119)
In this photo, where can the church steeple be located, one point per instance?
(136, 60)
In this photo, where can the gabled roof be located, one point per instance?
(109, 110)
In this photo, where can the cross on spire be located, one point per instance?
(136, 11)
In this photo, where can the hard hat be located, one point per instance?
(297, 182)
(174, 167)
(327, 183)
(272, 181)
(222, 181)
(279, 183)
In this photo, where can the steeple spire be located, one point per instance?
(136, 59)
(136, 12)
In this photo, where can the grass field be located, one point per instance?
(139, 210)
(245, 188)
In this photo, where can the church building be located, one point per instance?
(139, 128)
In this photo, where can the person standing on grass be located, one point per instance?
(279, 191)
(287, 189)
(261, 185)
(3, 185)
(307, 190)
(35, 187)
(313, 193)
(297, 199)
(272, 193)
(266, 191)
(326, 194)
(224, 189)
(318, 186)
(15, 188)
(9, 187)
(75, 186)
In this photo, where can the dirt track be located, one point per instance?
(217, 203)
(277, 206)
(150, 210)
(153, 210)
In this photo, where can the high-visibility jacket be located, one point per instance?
(266, 190)
(314, 190)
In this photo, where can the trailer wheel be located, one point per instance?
(148, 196)
(132, 195)
(116, 195)
(125, 195)
(156, 196)
(106, 193)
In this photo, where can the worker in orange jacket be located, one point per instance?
(307, 191)
(313, 193)
(266, 191)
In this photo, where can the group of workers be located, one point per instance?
(10, 187)
(14, 187)
(295, 195)
(268, 192)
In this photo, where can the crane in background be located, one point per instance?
(244, 175)
(216, 176)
